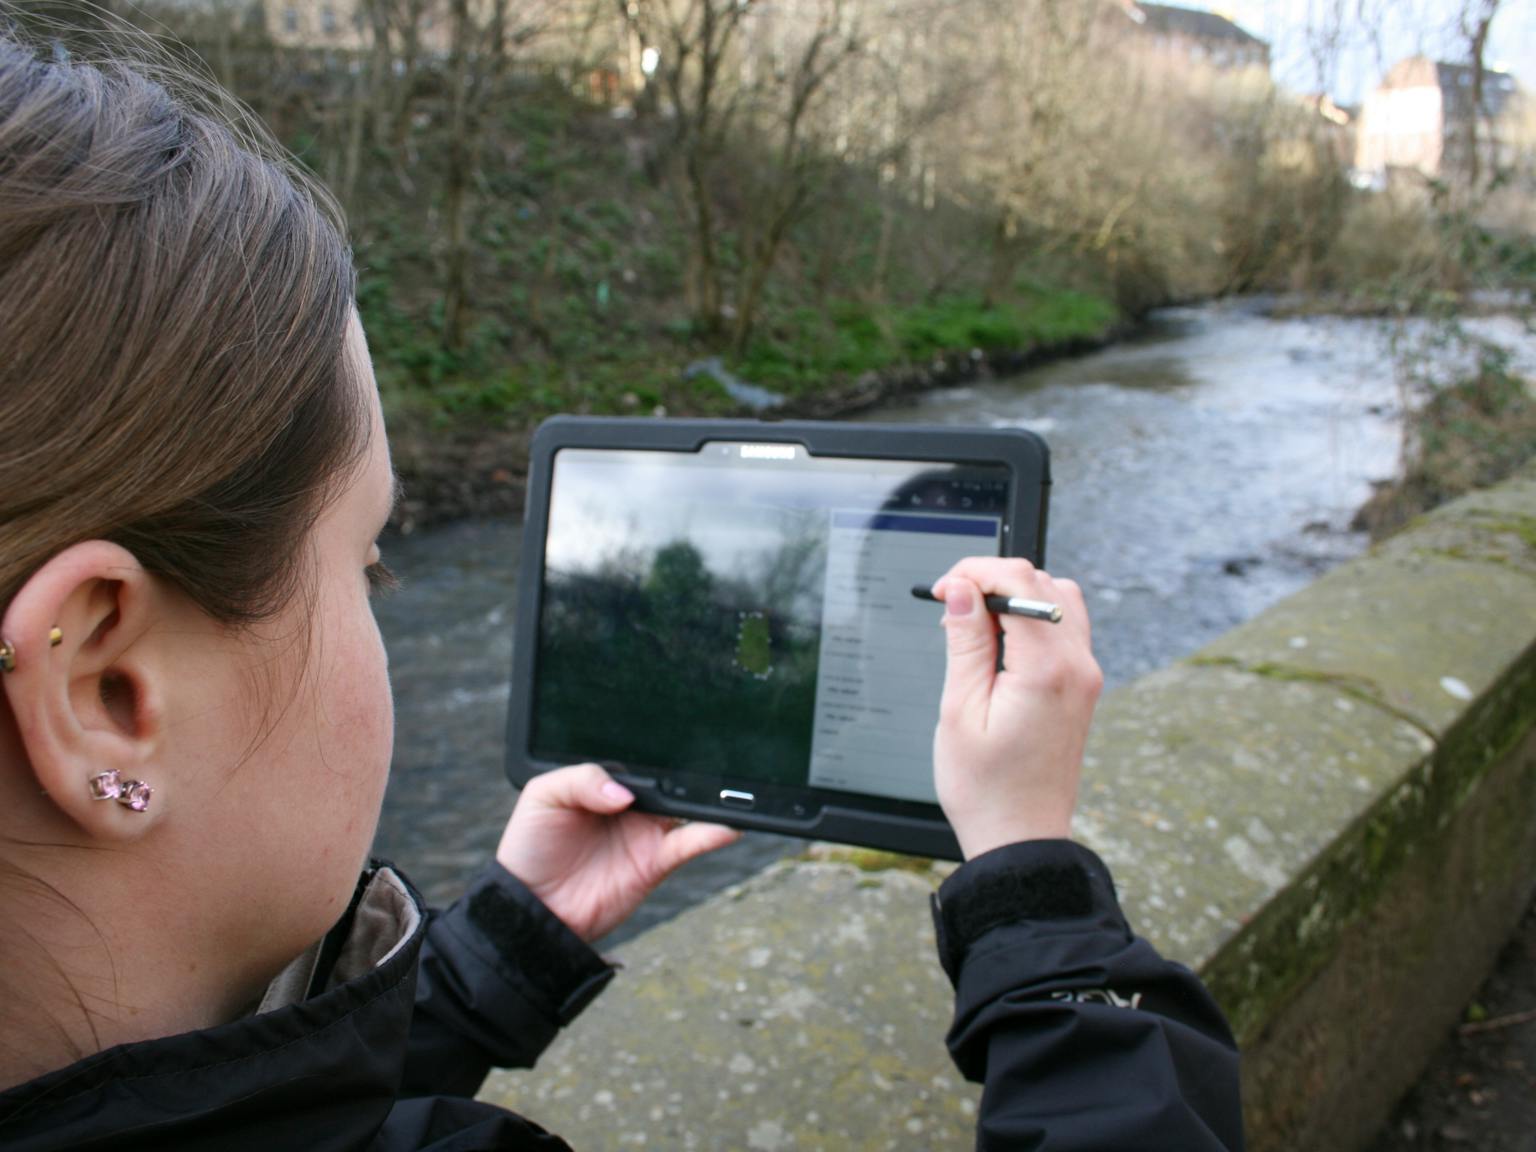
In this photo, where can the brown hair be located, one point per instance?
(174, 298)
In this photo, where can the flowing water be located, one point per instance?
(1201, 472)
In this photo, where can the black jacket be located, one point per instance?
(378, 1036)
(1084, 1037)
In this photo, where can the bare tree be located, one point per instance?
(404, 20)
(478, 62)
(694, 41)
(799, 154)
(1475, 21)
(586, 51)
(1039, 54)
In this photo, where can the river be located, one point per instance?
(1202, 471)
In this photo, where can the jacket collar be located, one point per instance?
(325, 1048)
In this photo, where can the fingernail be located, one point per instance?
(958, 601)
(615, 791)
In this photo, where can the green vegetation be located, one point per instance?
(854, 338)
(873, 860)
(576, 273)
(1467, 434)
(819, 204)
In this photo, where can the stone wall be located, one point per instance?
(1330, 813)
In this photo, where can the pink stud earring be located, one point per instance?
(110, 785)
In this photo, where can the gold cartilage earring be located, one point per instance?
(55, 636)
(7, 656)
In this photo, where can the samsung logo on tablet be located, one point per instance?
(767, 451)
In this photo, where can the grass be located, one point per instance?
(577, 281)
(808, 352)
(851, 338)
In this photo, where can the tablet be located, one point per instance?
(721, 614)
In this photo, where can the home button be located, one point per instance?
(732, 799)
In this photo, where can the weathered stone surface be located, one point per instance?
(804, 1010)
(1330, 812)
(1208, 790)
(1423, 625)
(1496, 526)
(1332, 1057)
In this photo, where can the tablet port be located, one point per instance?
(732, 799)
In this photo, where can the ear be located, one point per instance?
(87, 698)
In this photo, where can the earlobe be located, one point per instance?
(83, 689)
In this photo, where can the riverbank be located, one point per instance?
(582, 297)
(1469, 419)
(468, 468)
(1465, 434)
(1373, 302)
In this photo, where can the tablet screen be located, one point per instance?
(745, 612)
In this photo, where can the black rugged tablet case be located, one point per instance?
(919, 829)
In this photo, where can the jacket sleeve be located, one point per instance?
(499, 975)
(1082, 1035)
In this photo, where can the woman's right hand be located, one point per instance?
(1009, 746)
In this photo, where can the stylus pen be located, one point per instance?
(1005, 605)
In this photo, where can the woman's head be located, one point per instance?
(172, 307)
(192, 475)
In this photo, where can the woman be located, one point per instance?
(195, 726)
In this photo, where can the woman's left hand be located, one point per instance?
(573, 842)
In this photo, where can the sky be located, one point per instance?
(1403, 28)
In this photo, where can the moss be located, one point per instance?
(1512, 523)
(1271, 958)
(872, 860)
(1449, 553)
(1467, 556)
(1175, 740)
(1358, 687)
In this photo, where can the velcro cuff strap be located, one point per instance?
(550, 959)
(1011, 885)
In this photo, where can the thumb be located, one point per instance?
(971, 647)
(584, 787)
(686, 841)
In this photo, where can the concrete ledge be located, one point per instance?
(1328, 812)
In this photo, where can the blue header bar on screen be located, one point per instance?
(900, 522)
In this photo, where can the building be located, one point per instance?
(1418, 119)
(1317, 132)
(349, 26)
(333, 24)
(1188, 36)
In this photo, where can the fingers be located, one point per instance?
(1074, 610)
(588, 788)
(1013, 576)
(1048, 652)
(583, 787)
(971, 644)
(1003, 576)
(688, 841)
